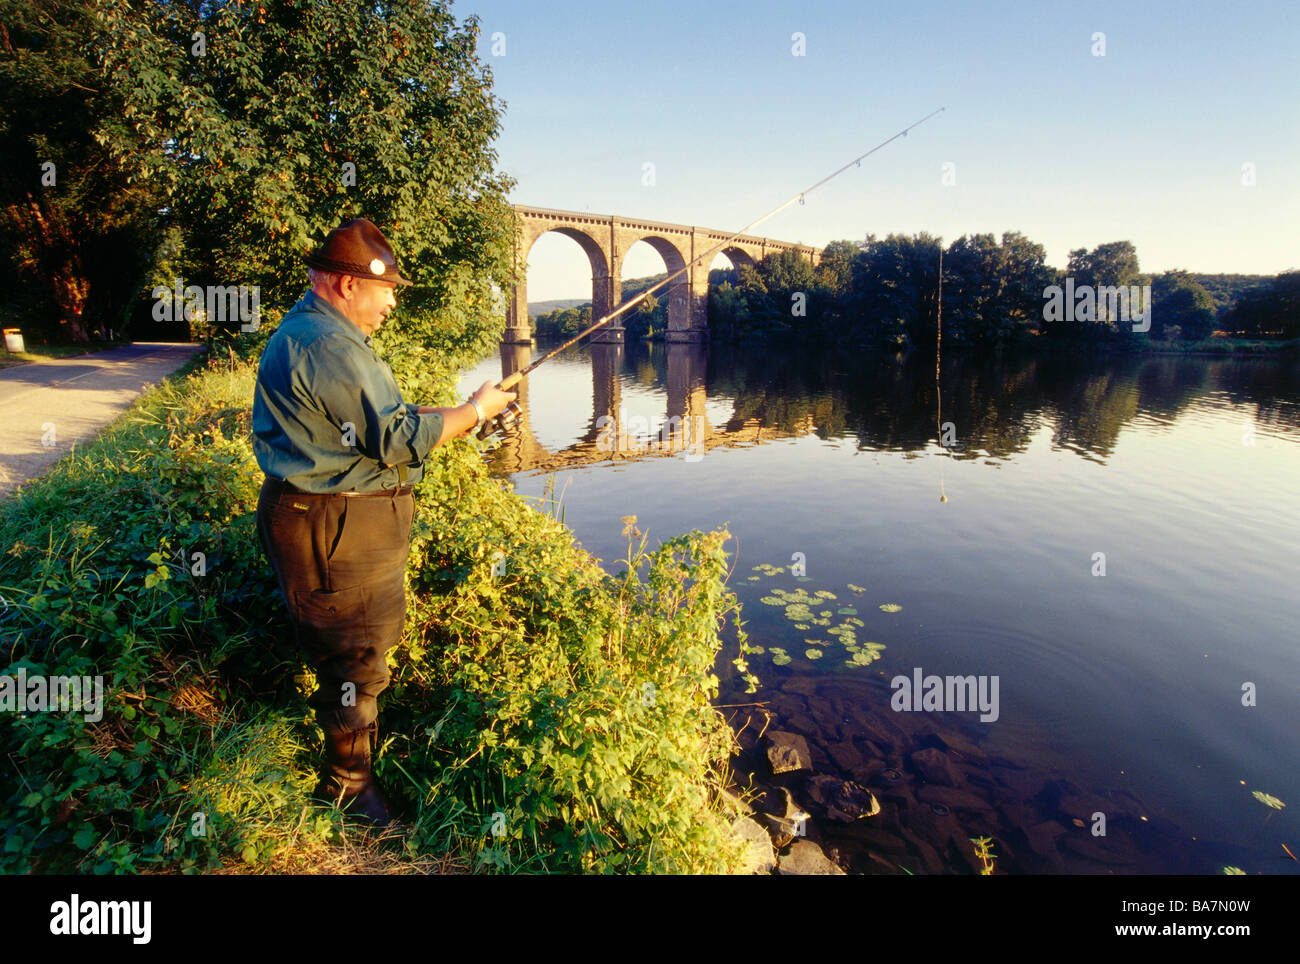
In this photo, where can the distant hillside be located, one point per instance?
(536, 308)
(646, 321)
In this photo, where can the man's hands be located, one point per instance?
(493, 400)
(460, 421)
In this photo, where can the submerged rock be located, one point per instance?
(935, 766)
(954, 799)
(787, 752)
(789, 825)
(844, 800)
(806, 859)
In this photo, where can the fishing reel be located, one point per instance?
(504, 422)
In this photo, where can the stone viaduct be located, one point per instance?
(606, 238)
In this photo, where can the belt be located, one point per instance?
(284, 486)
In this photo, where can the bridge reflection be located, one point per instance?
(611, 434)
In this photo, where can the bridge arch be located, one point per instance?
(606, 240)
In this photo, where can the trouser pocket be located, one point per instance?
(330, 621)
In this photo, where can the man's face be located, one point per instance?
(369, 303)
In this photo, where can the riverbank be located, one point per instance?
(543, 716)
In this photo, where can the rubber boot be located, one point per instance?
(347, 779)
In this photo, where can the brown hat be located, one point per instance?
(357, 248)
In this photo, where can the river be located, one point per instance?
(1111, 543)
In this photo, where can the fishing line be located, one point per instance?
(938, 386)
(513, 379)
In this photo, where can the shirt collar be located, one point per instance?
(315, 302)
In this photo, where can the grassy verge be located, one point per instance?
(543, 717)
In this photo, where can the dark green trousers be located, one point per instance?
(340, 562)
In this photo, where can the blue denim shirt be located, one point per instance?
(327, 413)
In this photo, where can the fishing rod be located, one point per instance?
(508, 417)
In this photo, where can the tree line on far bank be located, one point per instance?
(885, 293)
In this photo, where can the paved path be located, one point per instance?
(46, 407)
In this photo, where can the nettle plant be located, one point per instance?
(558, 718)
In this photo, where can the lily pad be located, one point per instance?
(772, 601)
(847, 611)
(1234, 871)
(804, 579)
(781, 658)
(1268, 800)
(890, 608)
(813, 653)
(857, 588)
(825, 594)
(753, 578)
(802, 627)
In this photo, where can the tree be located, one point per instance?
(79, 229)
(1269, 310)
(1113, 263)
(894, 300)
(835, 269)
(1110, 265)
(264, 125)
(1179, 301)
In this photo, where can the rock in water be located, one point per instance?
(785, 827)
(844, 800)
(787, 752)
(806, 859)
(936, 767)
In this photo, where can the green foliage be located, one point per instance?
(1271, 310)
(648, 320)
(573, 704)
(524, 695)
(77, 236)
(1181, 308)
(233, 131)
(984, 853)
(885, 294)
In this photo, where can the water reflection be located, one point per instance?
(989, 408)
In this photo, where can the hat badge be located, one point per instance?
(376, 267)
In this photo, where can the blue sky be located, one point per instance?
(1146, 143)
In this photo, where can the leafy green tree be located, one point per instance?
(894, 302)
(1179, 301)
(835, 269)
(263, 125)
(1270, 310)
(1113, 263)
(78, 229)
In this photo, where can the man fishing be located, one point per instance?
(341, 451)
